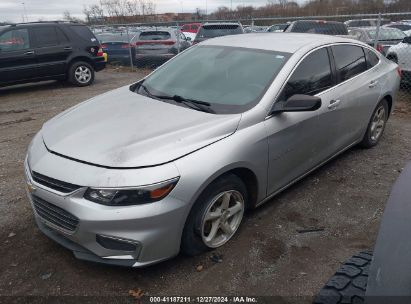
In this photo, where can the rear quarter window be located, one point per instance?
(371, 57)
(84, 32)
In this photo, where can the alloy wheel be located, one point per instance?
(82, 74)
(378, 123)
(222, 218)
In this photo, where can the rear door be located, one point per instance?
(359, 90)
(52, 48)
(17, 60)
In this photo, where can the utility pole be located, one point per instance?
(25, 18)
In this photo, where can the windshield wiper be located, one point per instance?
(192, 103)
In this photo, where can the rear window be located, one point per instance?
(155, 35)
(386, 34)
(84, 32)
(320, 27)
(112, 38)
(217, 30)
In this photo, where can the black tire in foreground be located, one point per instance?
(349, 283)
(81, 74)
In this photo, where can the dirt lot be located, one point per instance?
(268, 257)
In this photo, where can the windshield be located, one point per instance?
(231, 79)
(402, 27)
(320, 27)
(211, 31)
(387, 34)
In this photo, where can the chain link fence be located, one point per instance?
(148, 45)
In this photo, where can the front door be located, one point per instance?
(294, 137)
(17, 59)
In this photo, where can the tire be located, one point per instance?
(370, 138)
(84, 79)
(196, 229)
(349, 283)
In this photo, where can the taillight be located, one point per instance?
(399, 71)
(380, 48)
(100, 52)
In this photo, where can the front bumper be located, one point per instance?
(154, 229)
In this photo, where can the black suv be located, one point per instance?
(49, 50)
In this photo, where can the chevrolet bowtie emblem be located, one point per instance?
(30, 187)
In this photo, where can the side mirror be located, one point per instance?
(298, 103)
(407, 40)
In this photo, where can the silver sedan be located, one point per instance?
(172, 162)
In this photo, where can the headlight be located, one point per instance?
(127, 197)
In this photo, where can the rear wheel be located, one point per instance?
(81, 74)
(216, 215)
(376, 126)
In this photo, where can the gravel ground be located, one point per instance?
(269, 256)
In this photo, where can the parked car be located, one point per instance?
(191, 28)
(173, 161)
(212, 30)
(401, 54)
(154, 47)
(386, 37)
(381, 276)
(119, 46)
(49, 50)
(365, 22)
(255, 29)
(403, 26)
(278, 28)
(317, 27)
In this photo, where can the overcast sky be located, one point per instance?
(12, 10)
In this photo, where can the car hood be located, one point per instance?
(122, 129)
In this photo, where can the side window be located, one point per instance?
(14, 40)
(349, 61)
(311, 77)
(371, 57)
(45, 36)
(61, 36)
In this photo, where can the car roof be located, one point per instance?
(281, 42)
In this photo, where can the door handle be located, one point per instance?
(68, 48)
(334, 104)
(373, 84)
(29, 53)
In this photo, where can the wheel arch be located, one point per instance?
(389, 100)
(80, 58)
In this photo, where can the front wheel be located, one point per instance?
(81, 74)
(216, 215)
(376, 126)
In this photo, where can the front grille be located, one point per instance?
(54, 214)
(54, 183)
